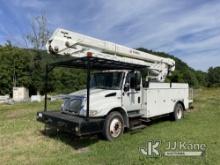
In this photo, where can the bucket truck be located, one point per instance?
(119, 94)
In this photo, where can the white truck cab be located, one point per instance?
(117, 94)
(109, 90)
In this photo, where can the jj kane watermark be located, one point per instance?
(154, 148)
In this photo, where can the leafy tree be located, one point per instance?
(39, 32)
(14, 64)
(202, 78)
(213, 77)
(38, 38)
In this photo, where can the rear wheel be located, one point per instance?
(178, 112)
(113, 126)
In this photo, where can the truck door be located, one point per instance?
(131, 95)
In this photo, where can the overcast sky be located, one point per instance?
(188, 29)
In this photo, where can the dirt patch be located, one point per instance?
(82, 150)
(16, 114)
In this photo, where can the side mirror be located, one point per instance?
(126, 87)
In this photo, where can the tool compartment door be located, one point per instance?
(160, 98)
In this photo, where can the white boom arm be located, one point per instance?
(65, 42)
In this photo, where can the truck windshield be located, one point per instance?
(107, 80)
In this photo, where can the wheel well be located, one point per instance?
(181, 102)
(123, 113)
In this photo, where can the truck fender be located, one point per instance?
(123, 113)
(179, 102)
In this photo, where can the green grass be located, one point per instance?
(22, 140)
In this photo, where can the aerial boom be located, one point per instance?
(64, 42)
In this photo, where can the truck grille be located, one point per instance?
(73, 105)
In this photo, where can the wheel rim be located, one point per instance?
(115, 127)
(179, 112)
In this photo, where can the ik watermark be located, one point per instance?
(156, 148)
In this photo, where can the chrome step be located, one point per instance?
(135, 115)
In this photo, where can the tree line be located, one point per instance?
(26, 67)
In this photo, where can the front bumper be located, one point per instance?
(69, 123)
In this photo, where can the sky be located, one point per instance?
(187, 29)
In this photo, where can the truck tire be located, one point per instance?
(113, 126)
(178, 112)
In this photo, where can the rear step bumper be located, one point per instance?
(69, 123)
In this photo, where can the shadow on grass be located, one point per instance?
(78, 143)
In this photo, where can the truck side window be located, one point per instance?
(134, 79)
(138, 78)
(137, 81)
(128, 79)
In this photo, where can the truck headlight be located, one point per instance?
(77, 129)
(40, 115)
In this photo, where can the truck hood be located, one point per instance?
(94, 93)
(101, 100)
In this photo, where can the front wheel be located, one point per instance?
(178, 112)
(113, 126)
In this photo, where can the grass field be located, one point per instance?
(22, 140)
